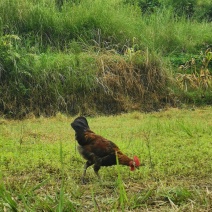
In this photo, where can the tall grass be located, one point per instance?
(115, 22)
(53, 57)
(104, 23)
(170, 35)
(85, 83)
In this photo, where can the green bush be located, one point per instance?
(203, 11)
(147, 6)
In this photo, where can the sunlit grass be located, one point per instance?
(41, 169)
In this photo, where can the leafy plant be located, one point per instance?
(9, 53)
(197, 79)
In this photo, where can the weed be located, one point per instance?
(196, 77)
(122, 193)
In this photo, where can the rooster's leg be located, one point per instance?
(96, 169)
(87, 164)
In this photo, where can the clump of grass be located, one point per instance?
(194, 78)
(175, 196)
(8, 199)
(134, 80)
(122, 193)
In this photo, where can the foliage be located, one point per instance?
(116, 57)
(203, 10)
(194, 78)
(182, 7)
(195, 9)
(9, 53)
(147, 6)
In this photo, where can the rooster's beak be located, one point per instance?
(136, 167)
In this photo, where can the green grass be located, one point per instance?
(41, 168)
(52, 56)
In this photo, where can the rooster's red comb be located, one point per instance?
(136, 160)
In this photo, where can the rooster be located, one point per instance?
(98, 151)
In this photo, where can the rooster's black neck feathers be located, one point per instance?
(80, 125)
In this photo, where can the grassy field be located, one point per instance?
(41, 169)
